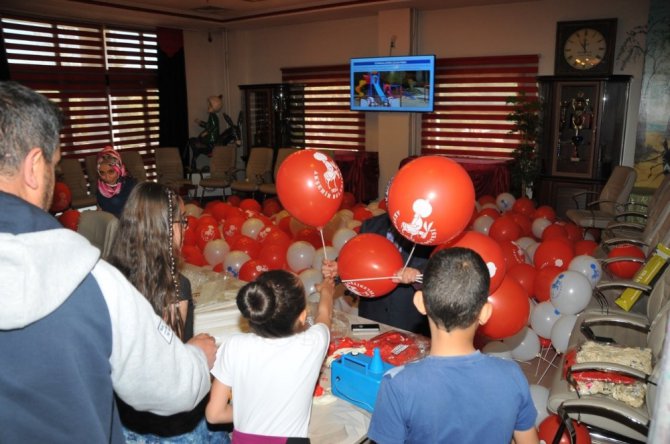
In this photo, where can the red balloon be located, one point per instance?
(495, 214)
(574, 231)
(273, 235)
(513, 253)
(232, 226)
(553, 231)
(205, 233)
(524, 205)
(549, 427)
(450, 243)
(362, 213)
(310, 187)
(504, 229)
(524, 223)
(545, 211)
(524, 275)
(585, 247)
(70, 219)
(193, 255)
(367, 256)
(188, 236)
(348, 201)
(543, 279)
(431, 199)
(273, 255)
(234, 200)
(251, 269)
(490, 252)
(310, 235)
(557, 252)
(271, 207)
(208, 206)
(625, 269)
(219, 210)
(206, 219)
(247, 245)
(250, 204)
(62, 198)
(510, 310)
(544, 342)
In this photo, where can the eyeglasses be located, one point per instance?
(183, 220)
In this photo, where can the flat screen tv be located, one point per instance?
(399, 83)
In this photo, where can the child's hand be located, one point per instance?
(207, 344)
(327, 287)
(329, 269)
(406, 276)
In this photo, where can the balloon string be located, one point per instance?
(323, 242)
(368, 279)
(408, 259)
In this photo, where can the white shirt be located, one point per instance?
(272, 380)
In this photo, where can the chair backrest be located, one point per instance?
(223, 161)
(99, 228)
(73, 176)
(134, 165)
(617, 189)
(168, 164)
(259, 165)
(282, 154)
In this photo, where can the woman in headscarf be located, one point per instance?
(114, 182)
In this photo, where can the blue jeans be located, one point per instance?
(200, 435)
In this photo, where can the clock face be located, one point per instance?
(585, 49)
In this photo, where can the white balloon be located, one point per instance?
(543, 317)
(351, 224)
(310, 277)
(539, 225)
(561, 331)
(505, 201)
(341, 237)
(215, 251)
(588, 266)
(570, 292)
(330, 253)
(377, 211)
(482, 224)
(192, 210)
(346, 214)
(372, 205)
(525, 345)
(589, 236)
(300, 255)
(251, 227)
(478, 207)
(234, 261)
(491, 205)
(525, 242)
(540, 396)
(499, 349)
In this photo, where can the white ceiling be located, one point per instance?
(216, 14)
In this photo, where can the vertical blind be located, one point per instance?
(470, 105)
(103, 79)
(325, 120)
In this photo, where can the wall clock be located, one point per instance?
(585, 47)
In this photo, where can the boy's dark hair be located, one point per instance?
(455, 287)
(272, 303)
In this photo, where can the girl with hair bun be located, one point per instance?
(274, 369)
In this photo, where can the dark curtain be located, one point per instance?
(172, 90)
(4, 65)
(360, 171)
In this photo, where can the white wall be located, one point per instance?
(256, 56)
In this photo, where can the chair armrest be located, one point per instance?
(581, 193)
(603, 286)
(631, 225)
(607, 367)
(617, 206)
(604, 407)
(623, 320)
(608, 243)
(626, 214)
(614, 260)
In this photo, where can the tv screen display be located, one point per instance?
(400, 83)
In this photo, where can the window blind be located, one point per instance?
(324, 118)
(470, 105)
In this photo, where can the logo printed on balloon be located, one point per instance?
(329, 186)
(360, 289)
(418, 230)
(492, 268)
(556, 286)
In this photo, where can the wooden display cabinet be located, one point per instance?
(584, 122)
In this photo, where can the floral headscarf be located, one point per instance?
(111, 157)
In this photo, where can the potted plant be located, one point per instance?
(527, 124)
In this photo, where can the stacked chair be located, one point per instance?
(257, 172)
(271, 188)
(134, 165)
(99, 228)
(221, 169)
(170, 170)
(72, 175)
(612, 200)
